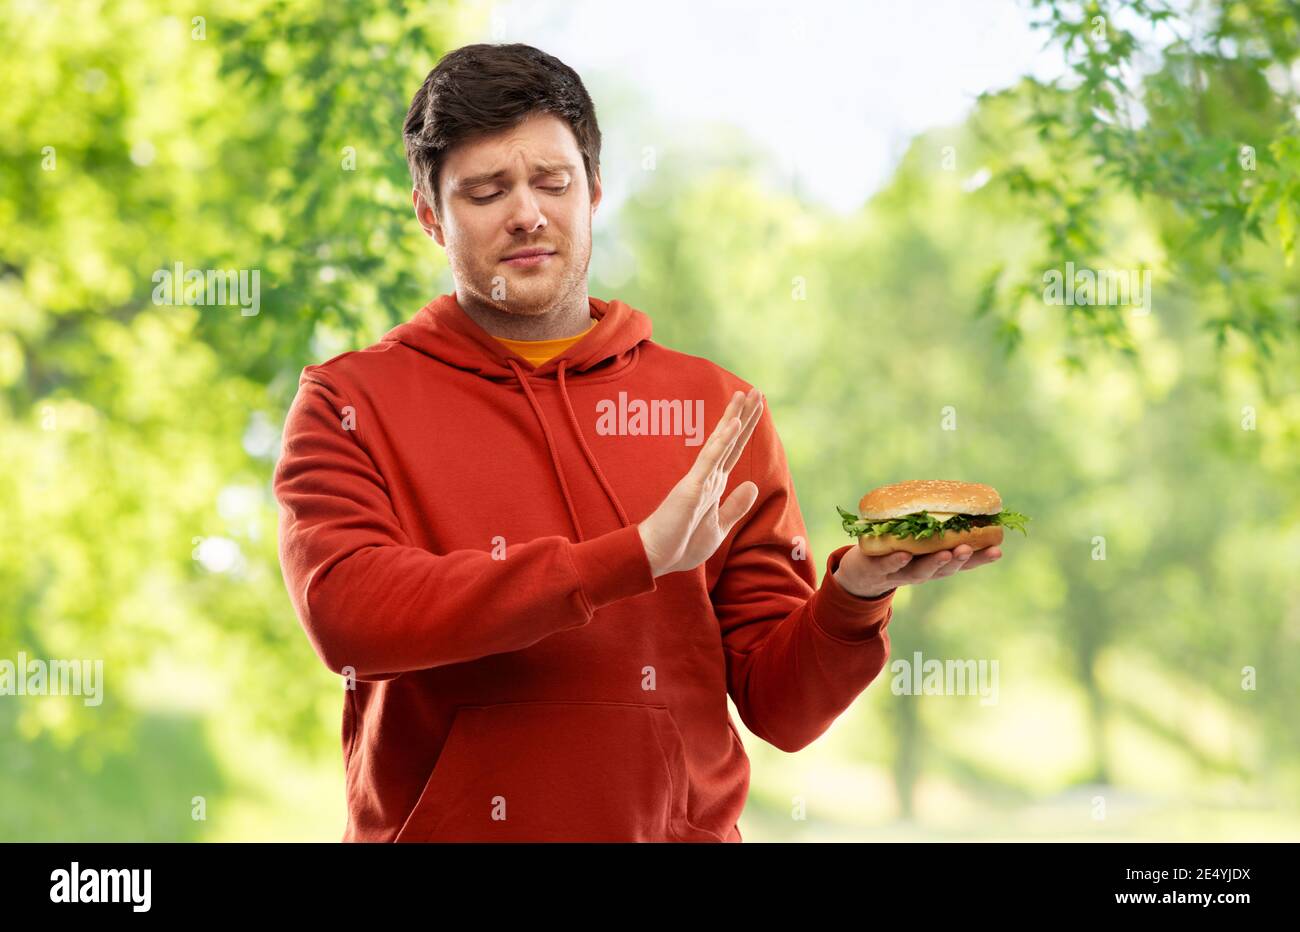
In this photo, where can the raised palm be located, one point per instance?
(689, 525)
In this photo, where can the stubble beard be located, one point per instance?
(525, 298)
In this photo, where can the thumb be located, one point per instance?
(738, 502)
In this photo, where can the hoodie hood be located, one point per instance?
(443, 331)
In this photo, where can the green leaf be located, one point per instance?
(922, 525)
(1286, 229)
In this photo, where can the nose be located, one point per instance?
(525, 212)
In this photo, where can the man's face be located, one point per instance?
(524, 188)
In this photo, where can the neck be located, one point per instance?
(566, 318)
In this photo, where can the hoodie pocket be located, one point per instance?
(557, 771)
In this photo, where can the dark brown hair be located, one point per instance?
(481, 89)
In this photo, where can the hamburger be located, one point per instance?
(928, 515)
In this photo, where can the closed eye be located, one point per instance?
(491, 197)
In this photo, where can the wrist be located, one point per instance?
(656, 569)
(864, 593)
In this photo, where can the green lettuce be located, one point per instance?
(922, 524)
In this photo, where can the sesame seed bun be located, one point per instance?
(904, 498)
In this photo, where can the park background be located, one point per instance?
(851, 206)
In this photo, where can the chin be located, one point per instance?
(527, 299)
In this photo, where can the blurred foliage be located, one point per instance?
(1192, 107)
(140, 438)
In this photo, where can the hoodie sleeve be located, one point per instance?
(797, 655)
(371, 601)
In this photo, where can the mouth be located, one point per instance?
(528, 258)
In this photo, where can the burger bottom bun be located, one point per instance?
(977, 537)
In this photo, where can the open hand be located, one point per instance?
(689, 525)
(868, 577)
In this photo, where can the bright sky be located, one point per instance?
(835, 90)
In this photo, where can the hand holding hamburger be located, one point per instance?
(912, 532)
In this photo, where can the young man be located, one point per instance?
(504, 525)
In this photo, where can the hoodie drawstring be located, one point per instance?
(555, 457)
(595, 466)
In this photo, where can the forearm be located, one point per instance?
(390, 609)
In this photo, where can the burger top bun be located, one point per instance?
(942, 495)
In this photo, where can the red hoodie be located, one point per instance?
(458, 537)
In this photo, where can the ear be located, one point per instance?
(428, 219)
(596, 192)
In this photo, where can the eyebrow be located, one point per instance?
(539, 168)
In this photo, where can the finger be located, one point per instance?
(723, 433)
(960, 557)
(890, 562)
(732, 410)
(983, 557)
(749, 419)
(714, 451)
(742, 412)
(924, 567)
(736, 505)
(733, 407)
